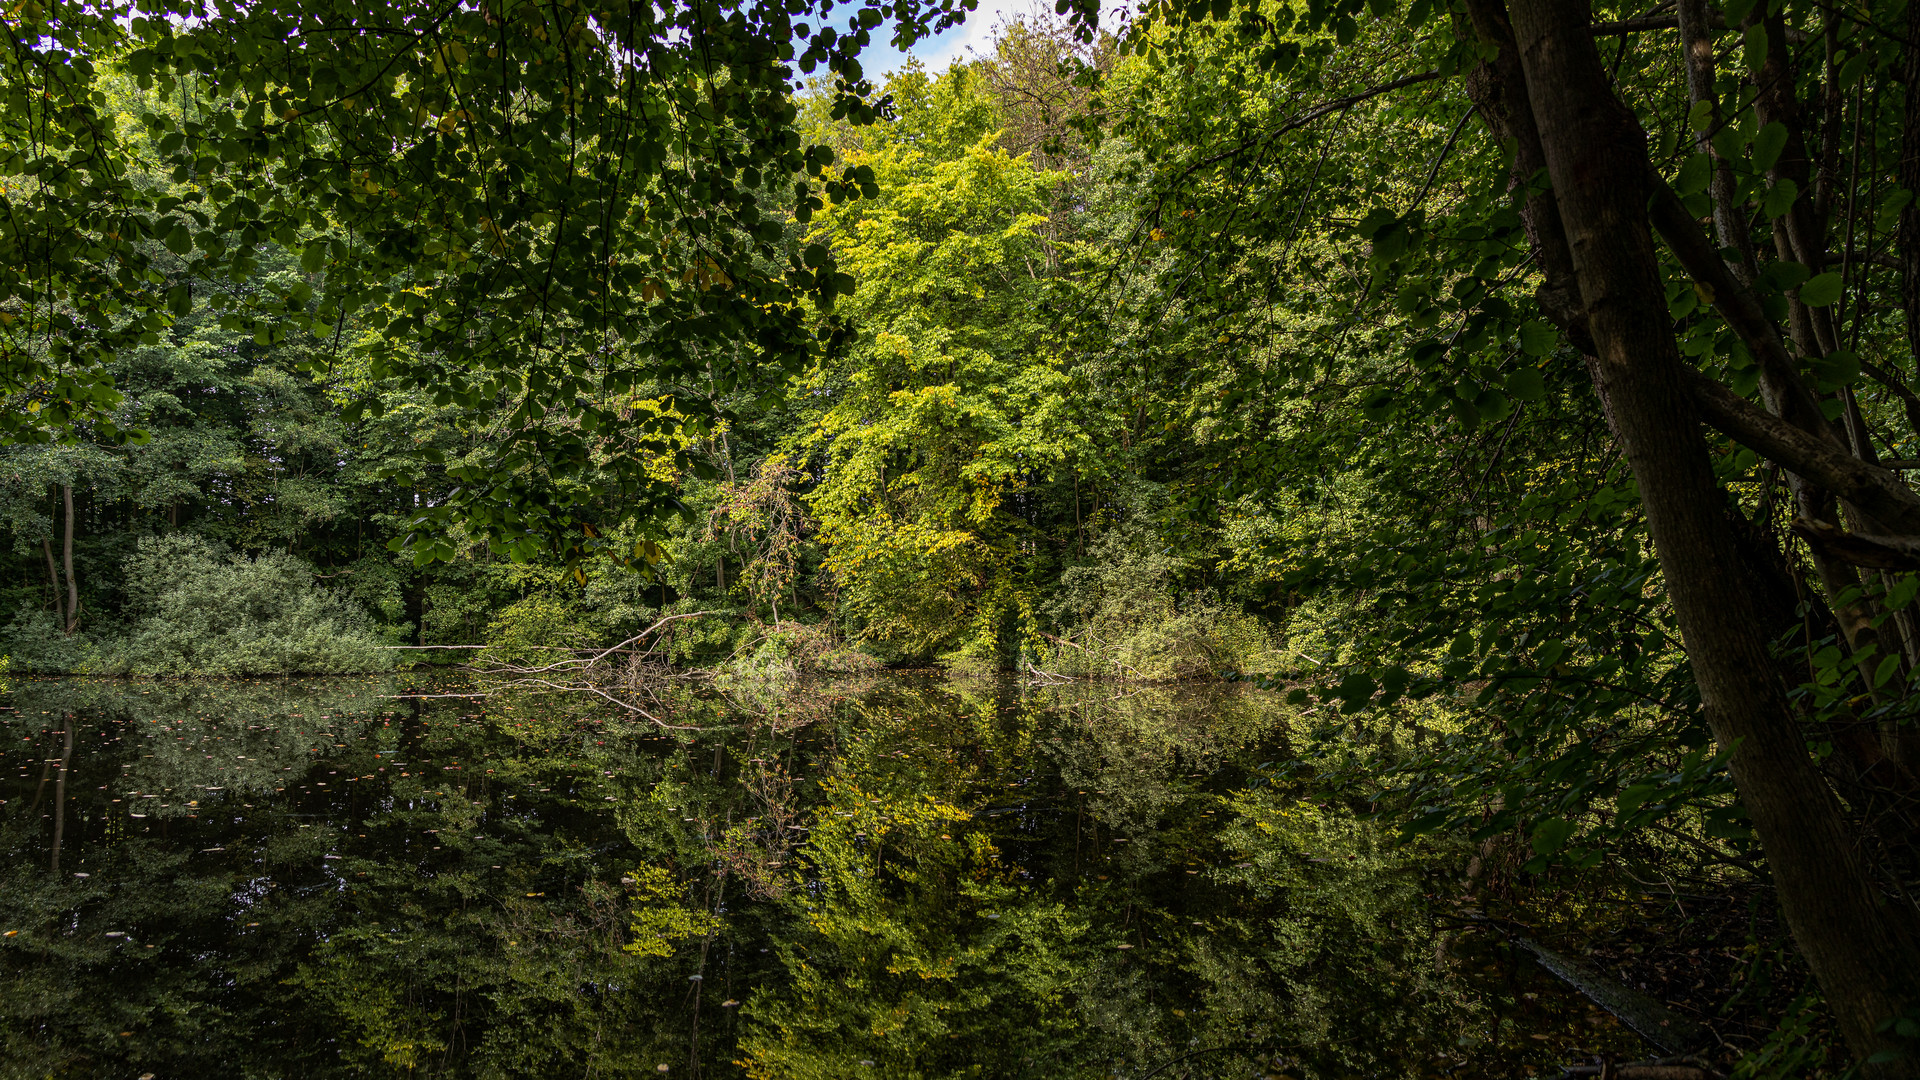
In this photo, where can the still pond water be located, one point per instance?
(896, 878)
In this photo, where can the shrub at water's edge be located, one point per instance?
(1125, 617)
(195, 608)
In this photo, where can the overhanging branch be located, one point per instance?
(1865, 485)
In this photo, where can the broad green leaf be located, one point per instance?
(1784, 275)
(1376, 219)
(1492, 405)
(1855, 67)
(1378, 404)
(1538, 337)
(1355, 691)
(1887, 218)
(1550, 654)
(1839, 367)
(1780, 198)
(1754, 43)
(1526, 384)
(1551, 835)
(1822, 290)
(1903, 591)
(1632, 799)
(1767, 146)
(1694, 175)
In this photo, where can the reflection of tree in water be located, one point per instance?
(1013, 882)
(941, 878)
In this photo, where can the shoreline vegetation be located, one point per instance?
(191, 606)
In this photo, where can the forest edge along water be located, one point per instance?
(1295, 538)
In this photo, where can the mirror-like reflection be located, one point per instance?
(893, 877)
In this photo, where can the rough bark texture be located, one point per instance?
(1786, 394)
(1856, 944)
(1799, 235)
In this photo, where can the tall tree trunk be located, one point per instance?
(1079, 532)
(1799, 236)
(1800, 233)
(1908, 239)
(53, 582)
(1729, 224)
(73, 583)
(1859, 947)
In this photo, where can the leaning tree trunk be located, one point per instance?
(1858, 947)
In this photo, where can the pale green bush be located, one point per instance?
(790, 648)
(537, 631)
(194, 608)
(1125, 616)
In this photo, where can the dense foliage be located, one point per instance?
(1524, 386)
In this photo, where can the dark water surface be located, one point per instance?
(889, 878)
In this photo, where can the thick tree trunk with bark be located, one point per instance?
(1795, 432)
(1858, 945)
(1908, 238)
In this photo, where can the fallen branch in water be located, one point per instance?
(1047, 678)
(1653, 1021)
(579, 667)
(1659, 1025)
(1062, 641)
